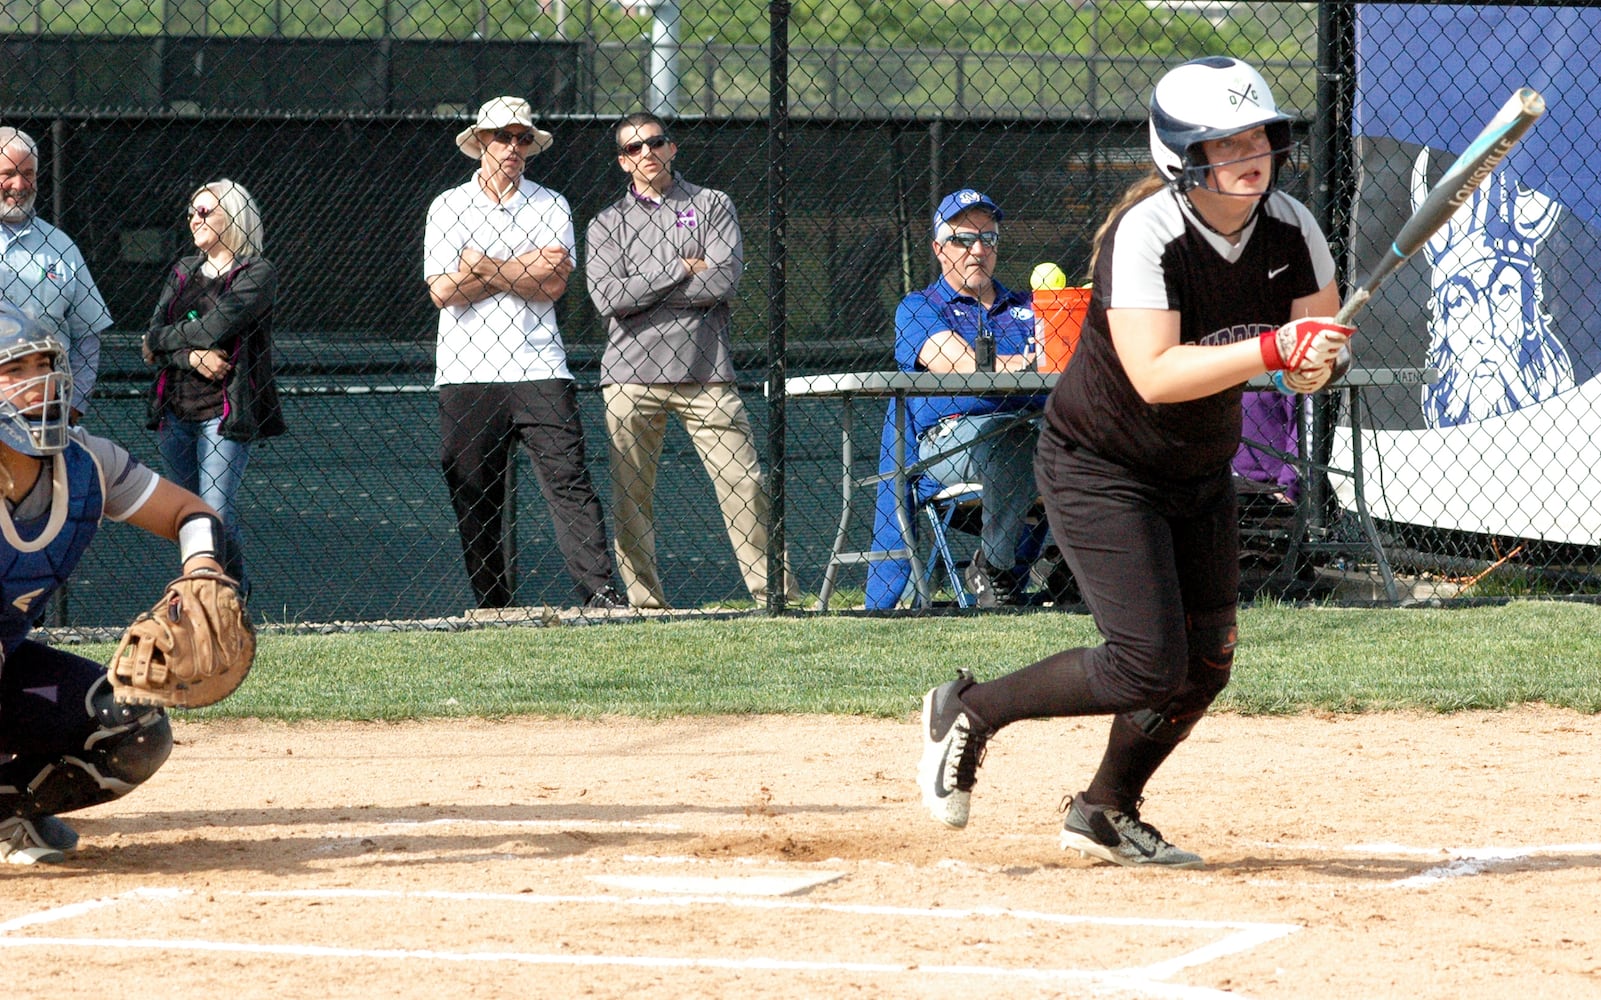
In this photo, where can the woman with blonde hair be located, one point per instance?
(210, 338)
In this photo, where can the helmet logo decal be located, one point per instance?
(1243, 96)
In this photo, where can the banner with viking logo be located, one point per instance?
(1502, 302)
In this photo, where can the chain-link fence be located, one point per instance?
(341, 121)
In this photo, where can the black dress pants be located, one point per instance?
(479, 424)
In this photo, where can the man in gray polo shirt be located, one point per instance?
(662, 264)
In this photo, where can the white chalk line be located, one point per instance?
(1460, 862)
(1146, 980)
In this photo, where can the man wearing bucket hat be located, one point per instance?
(951, 326)
(496, 256)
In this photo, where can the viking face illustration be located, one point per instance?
(1490, 336)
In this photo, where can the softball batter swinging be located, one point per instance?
(1204, 277)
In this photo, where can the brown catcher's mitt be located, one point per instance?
(192, 649)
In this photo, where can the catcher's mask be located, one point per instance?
(35, 428)
(1205, 99)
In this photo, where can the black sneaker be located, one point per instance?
(606, 599)
(1060, 588)
(953, 747)
(976, 579)
(55, 833)
(1120, 837)
(989, 586)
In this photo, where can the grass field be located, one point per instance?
(1290, 659)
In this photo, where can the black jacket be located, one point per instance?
(241, 327)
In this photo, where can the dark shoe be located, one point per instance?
(55, 833)
(21, 843)
(1120, 837)
(953, 747)
(989, 586)
(1059, 586)
(606, 599)
(977, 580)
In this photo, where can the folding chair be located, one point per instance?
(956, 507)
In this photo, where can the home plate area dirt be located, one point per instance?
(1387, 855)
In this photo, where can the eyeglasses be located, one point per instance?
(968, 241)
(654, 142)
(202, 213)
(506, 138)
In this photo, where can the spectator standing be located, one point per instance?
(496, 256)
(663, 264)
(939, 329)
(44, 274)
(211, 339)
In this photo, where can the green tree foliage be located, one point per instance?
(1176, 30)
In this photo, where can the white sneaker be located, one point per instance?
(22, 844)
(953, 747)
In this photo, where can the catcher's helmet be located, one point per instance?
(1206, 99)
(40, 429)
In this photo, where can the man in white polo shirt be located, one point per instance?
(496, 256)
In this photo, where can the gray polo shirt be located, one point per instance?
(662, 325)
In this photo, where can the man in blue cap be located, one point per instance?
(964, 322)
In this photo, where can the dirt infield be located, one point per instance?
(1348, 857)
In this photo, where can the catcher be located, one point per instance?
(67, 739)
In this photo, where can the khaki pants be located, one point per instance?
(714, 416)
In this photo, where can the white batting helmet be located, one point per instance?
(1205, 99)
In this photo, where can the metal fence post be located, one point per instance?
(778, 324)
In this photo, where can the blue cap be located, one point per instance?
(958, 202)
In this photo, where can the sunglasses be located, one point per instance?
(506, 138)
(654, 142)
(968, 241)
(203, 213)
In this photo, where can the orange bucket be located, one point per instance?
(1058, 315)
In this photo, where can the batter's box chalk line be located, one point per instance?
(1458, 862)
(1142, 981)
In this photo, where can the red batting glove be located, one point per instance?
(1304, 344)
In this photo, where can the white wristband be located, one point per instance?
(199, 535)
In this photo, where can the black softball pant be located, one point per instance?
(1153, 563)
(478, 426)
(65, 742)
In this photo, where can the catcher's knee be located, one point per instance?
(128, 744)
(1212, 639)
(133, 740)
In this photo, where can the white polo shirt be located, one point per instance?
(502, 338)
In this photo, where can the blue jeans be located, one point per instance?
(205, 463)
(1003, 463)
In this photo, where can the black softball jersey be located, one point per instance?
(1158, 255)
